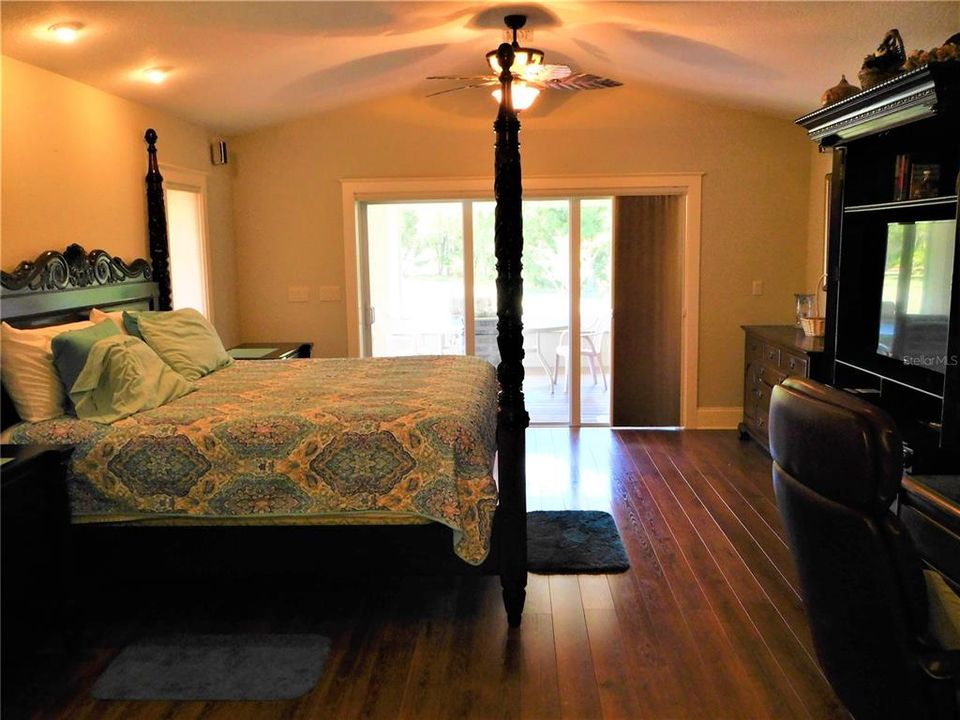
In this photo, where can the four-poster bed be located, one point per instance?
(60, 287)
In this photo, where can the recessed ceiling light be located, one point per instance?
(66, 32)
(157, 75)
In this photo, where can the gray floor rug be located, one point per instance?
(215, 667)
(566, 542)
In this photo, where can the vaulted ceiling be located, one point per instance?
(236, 66)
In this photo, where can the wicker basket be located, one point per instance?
(816, 326)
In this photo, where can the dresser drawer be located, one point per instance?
(771, 354)
(760, 422)
(769, 375)
(762, 395)
(794, 365)
(750, 385)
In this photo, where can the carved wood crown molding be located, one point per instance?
(929, 90)
(74, 267)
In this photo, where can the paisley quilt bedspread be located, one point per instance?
(289, 440)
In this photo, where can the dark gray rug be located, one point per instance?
(215, 667)
(567, 542)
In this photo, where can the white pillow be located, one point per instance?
(98, 316)
(28, 373)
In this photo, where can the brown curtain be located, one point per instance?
(647, 302)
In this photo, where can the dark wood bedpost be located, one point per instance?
(512, 417)
(157, 224)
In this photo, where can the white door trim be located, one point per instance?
(689, 185)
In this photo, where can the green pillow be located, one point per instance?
(131, 322)
(70, 349)
(123, 376)
(185, 340)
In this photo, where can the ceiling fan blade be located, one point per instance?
(461, 77)
(555, 72)
(582, 81)
(462, 87)
(542, 73)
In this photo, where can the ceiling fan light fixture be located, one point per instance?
(523, 95)
(523, 58)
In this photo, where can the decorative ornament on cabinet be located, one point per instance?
(885, 63)
(841, 91)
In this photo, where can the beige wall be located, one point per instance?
(755, 218)
(73, 165)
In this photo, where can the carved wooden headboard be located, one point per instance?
(60, 287)
(63, 286)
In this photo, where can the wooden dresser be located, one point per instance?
(773, 353)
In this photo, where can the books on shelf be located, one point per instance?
(901, 177)
(915, 178)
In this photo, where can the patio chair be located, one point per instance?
(591, 345)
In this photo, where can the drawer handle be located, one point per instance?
(759, 422)
(757, 393)
(771, 354)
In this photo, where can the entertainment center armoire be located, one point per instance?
(893, 263)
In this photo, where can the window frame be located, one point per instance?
(193, 181)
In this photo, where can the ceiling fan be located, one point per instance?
(530, 73)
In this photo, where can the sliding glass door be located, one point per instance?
(430, 288)
(415, 279)
(596, 309)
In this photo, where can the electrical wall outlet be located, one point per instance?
(758, 287)
(328, 293)
(298, 293)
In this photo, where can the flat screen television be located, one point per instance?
(915, 305)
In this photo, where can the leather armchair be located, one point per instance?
(837, 465)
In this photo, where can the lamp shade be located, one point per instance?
(523, 95)
(523, 59)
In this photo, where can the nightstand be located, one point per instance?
(35, 549)
(270, 351)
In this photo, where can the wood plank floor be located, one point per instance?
(707, 623)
